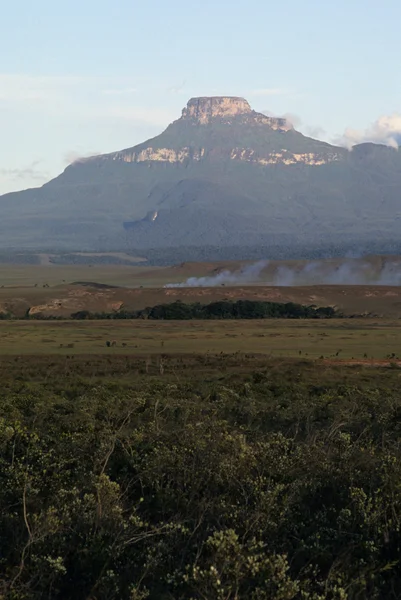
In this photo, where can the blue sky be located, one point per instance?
(90, 76)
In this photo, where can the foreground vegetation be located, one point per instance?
(201, 477)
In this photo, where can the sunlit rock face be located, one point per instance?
(229, 113)
(221, 174)
(204, 109)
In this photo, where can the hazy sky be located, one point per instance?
(90, 76)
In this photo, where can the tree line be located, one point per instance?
(222, 309)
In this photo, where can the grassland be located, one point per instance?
(306, 273)
(57, 289)
(26, 276)
(266, 450)
(63, 300)
(332, 339)
(91, 257)
(50, 290)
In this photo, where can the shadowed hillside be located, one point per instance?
(221, 175)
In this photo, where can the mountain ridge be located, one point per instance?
(222, 114)
(220, 172)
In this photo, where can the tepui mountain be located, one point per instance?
(220, 175)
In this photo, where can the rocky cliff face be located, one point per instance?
(203, 111)
(220, 175)
(215, 128)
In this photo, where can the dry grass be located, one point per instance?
(332, 339)
(27, 276)
(22, 287)
(379, 301)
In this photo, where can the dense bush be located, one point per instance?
(256, 486)
(224, 309)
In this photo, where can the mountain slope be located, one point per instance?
(222, 175)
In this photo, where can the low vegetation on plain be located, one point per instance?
(211, 477)
(228, 449)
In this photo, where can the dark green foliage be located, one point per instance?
(81, 315)
(240, 309)
(278, 484)
(224, 309)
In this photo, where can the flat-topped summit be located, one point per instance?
(221, 174)
(212, 129)
(205, 108)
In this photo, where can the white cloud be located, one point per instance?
(30, 172)
(73, 156)
(313, 131)
(385, 130)
(294, 119)
(316, 132)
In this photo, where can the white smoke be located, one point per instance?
(248, 274)
(390, 274)
(351, 271)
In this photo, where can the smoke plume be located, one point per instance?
(248, 274)
(349, 271)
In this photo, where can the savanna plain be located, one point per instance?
(196, 459)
